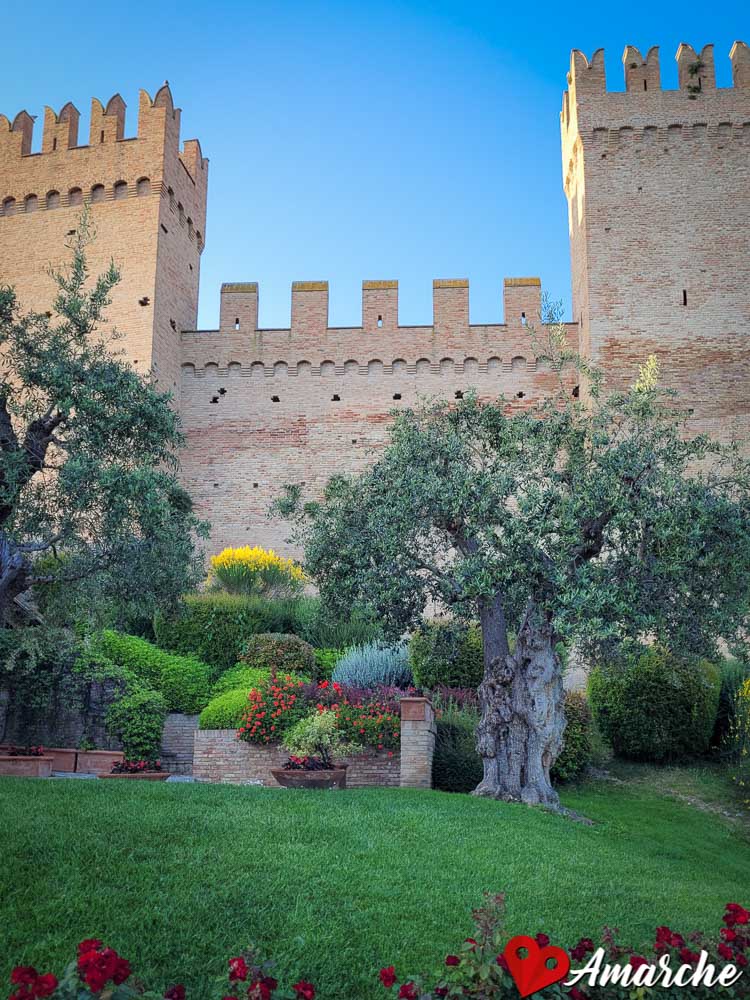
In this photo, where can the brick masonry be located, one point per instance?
(219, 757)
(177, 743)
(658, 188)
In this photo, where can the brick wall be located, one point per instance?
(177, 741)
(219, 757)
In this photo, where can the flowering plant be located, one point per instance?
(135, 766)
(372, 719)
(271, 710)
(480, 969)
(317, 740)
(28, 751)
(100, 972)
(256, 571)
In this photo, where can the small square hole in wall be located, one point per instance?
(214, 399)
(255, 486)
(275, 399)
(173, 324)
(523, 319)
(380, 320)
(520, 395)
(164, 228)
(216, 486)
(144, 301)
(354, 440)
(684, 296)
(576, 392)
(222, 391)
(459, 394)
(335, 398)
(397, 395)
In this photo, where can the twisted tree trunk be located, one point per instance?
(520, 731)
(14, 576)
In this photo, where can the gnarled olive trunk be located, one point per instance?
(14, 576)
(522, 700)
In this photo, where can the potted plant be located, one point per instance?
(315, 744)
(149, 770)
(26, 762)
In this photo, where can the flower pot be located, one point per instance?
(335, 778)
(140, 775)
(26, 767)
(98, 761)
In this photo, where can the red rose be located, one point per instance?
(441, 991)
(305, 991)
(740, 960)
(269, 982)
(176, 992)
(726, 952)
(581, 950)
(408, 991)
(637, 961)
(452, 960)
(388, 976)
(23, 974)
(237, 969)
(542, 940)
(736, 914)
(45, 985)
(90, 944)
(122, 971)
(688, 957)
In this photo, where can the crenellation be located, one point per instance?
(641, 74)
(60, 130)
(107, 124)
(696, 73)
(740, 59)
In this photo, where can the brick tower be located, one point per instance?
(658, 189)
(148, 206)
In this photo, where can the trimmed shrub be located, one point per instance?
(256, 571)
(279, 652)
(456, 765)
(182, 680)
(137, 720)
(327, 660)
(373, 665)
(738, 741)
(240, 676)
(577, 750)
(215, 627)
(734, 673)
(448, 654)
(225, 711)
(656, 706)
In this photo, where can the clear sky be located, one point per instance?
(354, 141)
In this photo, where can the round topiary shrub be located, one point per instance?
(374, 665)
(225, 711)
(655, 706)
(575, 755)
(456, 765)
(447, 654)
(280, 652)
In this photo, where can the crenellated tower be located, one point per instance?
(148, 206)
(658, 189)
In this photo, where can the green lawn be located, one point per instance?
(178, 877)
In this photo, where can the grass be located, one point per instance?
(179, 877)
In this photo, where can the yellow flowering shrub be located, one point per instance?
(256, 571)
(740, 741)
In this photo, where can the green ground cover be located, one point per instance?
(178, 877)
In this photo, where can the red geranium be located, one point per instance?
(237, 969)
(176, 992)
(31, 984)
(388, 976)
(452, 960)
(408, 992)
(305, 991)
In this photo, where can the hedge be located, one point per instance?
(577, 750)
(279, 652)
(137, 720)
(655, 706)
(446, 653)
(183, 681)
(240, 676)
(225, 711)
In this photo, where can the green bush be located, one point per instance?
(184, 681)
(279, 652)
(327, 660)
(372, 665)
(240, 676)
(733, 675)
(655, 706)
(137, 720)
(449, 654)
(225, 711)
(456, 765)
(215, 627)
(577, 740)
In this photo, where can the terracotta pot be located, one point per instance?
(63, 759)
(141, 776)
(26, 767)
(335, 778)
(98, 761)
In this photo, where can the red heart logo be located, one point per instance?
(531, 973)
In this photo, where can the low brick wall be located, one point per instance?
(219, 757)
(177, 743)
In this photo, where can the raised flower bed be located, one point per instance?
(98, 761)
(26, 766)
(141, 770)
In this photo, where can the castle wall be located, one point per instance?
(658, 184)
(147, 204)
(263, 408)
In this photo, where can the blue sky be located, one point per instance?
(359, 140)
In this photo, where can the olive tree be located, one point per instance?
(89, 500)
(598, 522)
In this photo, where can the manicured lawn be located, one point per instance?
(178, 877)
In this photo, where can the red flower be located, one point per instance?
(408, 991)
(688, 957)
(542, 940)
(472, 942)
(305, 991)
(726, 952)
(637, 961)
(90, 944)
(582, 949)
(23, 974)
(576, 994)
(176, 992)
(32, 984)
(452, 960)
(441, 991)
(502, 962)
(736, 914)
(45, 985)
(237, 969)
(388, 976)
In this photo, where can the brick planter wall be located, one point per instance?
(177, 743)
(219, 757)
